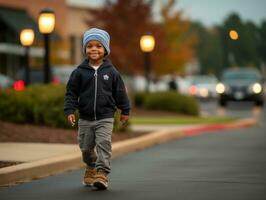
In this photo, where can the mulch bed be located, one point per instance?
(8, 163)
(13, 132)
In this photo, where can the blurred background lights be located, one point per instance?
(27, 37)
(220, 88)
(257, 88)
(233, 35)
(147, 43)
(46, 22)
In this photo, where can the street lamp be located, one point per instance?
(233, 35)
(147, 43)
(26, 39)
(46, 24)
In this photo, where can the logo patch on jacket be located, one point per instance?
(105, 77)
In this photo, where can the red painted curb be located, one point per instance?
(214, 127)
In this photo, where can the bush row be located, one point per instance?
(39, 104)
(43, 104)
(167, 101)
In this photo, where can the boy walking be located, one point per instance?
(96, 89)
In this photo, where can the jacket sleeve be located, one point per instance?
(72, 94)
(120, 95)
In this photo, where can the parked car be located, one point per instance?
(5, 81)
(242, 84)
(61, 74)
(203, 86)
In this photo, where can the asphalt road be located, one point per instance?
(220, 165)
(235, 109)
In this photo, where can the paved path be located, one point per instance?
(229, 164)
(27, 152)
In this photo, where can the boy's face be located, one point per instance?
(95, 51)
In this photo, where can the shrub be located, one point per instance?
(168, 101)
(139, 99)
(37, 104)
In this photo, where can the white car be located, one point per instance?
(5, 81)
(203, 86)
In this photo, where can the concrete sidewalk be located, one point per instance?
(40, 160)
(30, 152)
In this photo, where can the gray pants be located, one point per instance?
(96, 135)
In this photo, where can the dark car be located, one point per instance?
(241, 84)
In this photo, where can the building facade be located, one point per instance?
(65, 41)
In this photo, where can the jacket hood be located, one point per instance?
(85, 63)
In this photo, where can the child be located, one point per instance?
(96, 89)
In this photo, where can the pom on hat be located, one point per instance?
(99, 35)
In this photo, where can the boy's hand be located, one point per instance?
(71, 119)
(124, 118)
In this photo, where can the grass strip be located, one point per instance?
(180, 120)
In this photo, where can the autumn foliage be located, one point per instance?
(128, 20)
(178, 43)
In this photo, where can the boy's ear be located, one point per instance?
(105, 52)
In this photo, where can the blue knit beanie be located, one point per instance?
(99, 35)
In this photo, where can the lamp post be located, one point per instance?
(147, 43)
(46, 24)
(26, 39)
(233, 35)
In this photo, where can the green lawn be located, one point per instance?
(180, 120)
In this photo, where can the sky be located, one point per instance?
(209, 12)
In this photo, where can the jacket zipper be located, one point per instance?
(95, 94)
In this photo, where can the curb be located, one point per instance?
(215, 127)
(55, 165)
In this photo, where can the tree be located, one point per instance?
(262, 42)
(262, 47)
(208, 49)
(177, 42)
(126, 21)
(252, 38)
(244, 50)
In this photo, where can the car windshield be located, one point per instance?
(241, 75)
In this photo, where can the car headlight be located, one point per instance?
(220, 88)
(204, 92)
(256, 88)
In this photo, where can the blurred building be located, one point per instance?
(65, 41)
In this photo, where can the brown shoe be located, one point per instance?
(89, 176)
(101, 180)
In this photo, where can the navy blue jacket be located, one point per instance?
(96, 93)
